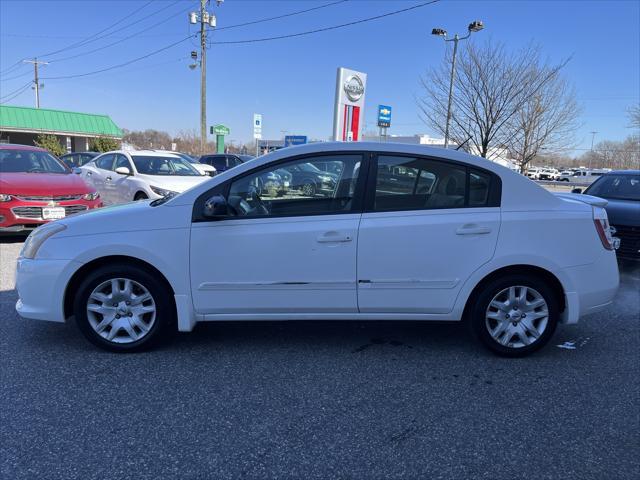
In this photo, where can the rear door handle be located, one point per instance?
(334, 237)
(472, 230)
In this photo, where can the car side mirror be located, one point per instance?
(216, 207)
(123, 171)
(576, 190)
(76, 170)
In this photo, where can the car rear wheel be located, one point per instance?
(515, 315)
(123, 308)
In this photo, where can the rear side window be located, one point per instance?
(408, 183)
(479, 184)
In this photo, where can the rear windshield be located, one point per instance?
(618, 187)
(29, 161)
(152, 165)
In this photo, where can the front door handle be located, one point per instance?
(108, 178)
(334, 237)
(472, 229)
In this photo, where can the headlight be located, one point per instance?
(91, 196)
(161, 191)
(4, 197)
(37, 238)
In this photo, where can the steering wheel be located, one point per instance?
(260, 207)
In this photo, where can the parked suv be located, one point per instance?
(224, 161)
(36, 188)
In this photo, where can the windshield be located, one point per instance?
(29, 161)
(152, 165)
(618, 187)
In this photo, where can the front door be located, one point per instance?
(281, 250)
(96, 173)
(428, 225)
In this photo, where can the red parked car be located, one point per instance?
(36, 187)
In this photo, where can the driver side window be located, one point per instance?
(105, 162)
(297, 188)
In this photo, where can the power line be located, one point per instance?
(325, 29)
(96, 36)
(291, 14)
(89, 52)
(106, 69)
(15, 93)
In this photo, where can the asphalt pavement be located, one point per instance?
(304, 400)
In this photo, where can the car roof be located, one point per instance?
(623, 172)
(16, 146)
(147, 153)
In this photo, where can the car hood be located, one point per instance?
(42, 184)
(623, 212)
(174, 183)
(126, 217)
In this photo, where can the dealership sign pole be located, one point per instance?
(349, 105)
(384, 119)
(257, 130)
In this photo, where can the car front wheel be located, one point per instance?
(515, 315)
(123, 308)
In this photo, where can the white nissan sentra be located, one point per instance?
(396, 232)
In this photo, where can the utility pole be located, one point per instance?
(593, 136)
(36, 80)
(206, 20)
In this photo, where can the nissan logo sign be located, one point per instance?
(354, 88)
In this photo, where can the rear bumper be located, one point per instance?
(591, 288)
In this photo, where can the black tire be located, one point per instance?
(308, 188)
(478, 313)
(140, 196)
(165, 316)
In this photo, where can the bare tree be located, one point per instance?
(634, 116)
(545, 123)
(490, 88)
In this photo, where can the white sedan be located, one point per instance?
(404, 232)
(123, 176)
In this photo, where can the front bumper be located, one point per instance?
(21, 215)
(41, 287)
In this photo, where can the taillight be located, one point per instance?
(602, 227)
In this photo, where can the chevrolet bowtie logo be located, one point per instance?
(385, 111)
(52, 204)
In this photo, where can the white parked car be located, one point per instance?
(533, 173)
(203, 168)
(123, 176)
(585, 176)
(403, 232)
(548, 174)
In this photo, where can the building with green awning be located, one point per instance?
(23, 124)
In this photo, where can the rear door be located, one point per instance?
(428, 225)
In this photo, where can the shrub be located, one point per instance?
(103, 144)
(50, 143)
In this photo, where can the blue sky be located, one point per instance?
(292, 82)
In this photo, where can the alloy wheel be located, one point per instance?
(517, 316)
(121, 310)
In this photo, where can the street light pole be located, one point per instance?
(473, 27)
